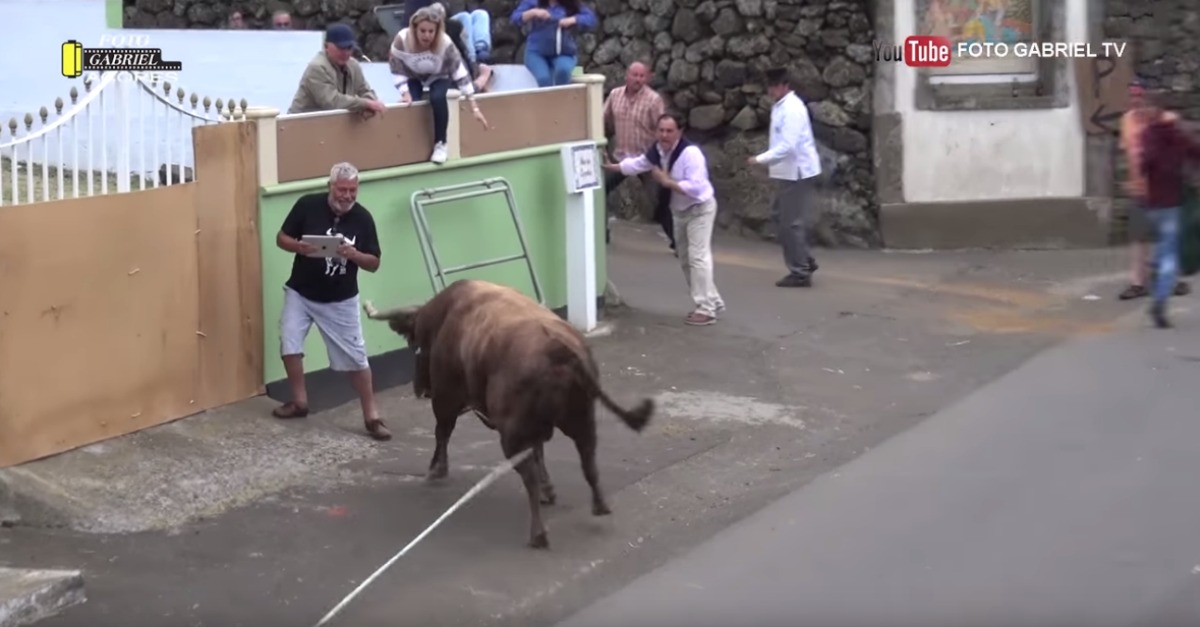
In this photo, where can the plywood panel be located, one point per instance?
(229, 267)
(98, 314)
(309, 146)
(525, 120)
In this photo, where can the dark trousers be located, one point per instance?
(662, 212)
(794, 211)
(437, 102)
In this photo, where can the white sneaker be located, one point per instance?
(439, 153)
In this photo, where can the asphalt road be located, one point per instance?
(232, 518)
(1062, 494)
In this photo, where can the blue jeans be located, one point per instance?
(1166, 250)
(477, 33)
(437, 102)
(550, 70)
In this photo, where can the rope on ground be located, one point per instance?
(504, 467)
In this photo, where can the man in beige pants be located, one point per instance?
(680, 168)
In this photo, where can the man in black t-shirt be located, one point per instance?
(325, 291)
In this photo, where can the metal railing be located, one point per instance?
(124, 133)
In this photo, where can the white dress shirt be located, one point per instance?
(793, 150)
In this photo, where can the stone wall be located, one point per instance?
(708, 58)
(1165, 38)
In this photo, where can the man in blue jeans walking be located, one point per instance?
(1165, 151)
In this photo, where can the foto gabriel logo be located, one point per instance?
(76, 60)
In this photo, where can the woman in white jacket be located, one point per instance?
(424, 59)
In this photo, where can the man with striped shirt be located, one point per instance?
(632, 111)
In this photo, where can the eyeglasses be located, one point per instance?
(283, 24)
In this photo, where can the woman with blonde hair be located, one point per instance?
(424, 59)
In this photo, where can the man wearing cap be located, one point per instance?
(334, 79)
(794, 165)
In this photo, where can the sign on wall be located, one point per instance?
(1103, 88)
(981, 24)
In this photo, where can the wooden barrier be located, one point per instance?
(525, 120)
(125, 311)
(308, 144)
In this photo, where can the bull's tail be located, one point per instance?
(635, 419)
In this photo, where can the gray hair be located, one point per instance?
(343, 171)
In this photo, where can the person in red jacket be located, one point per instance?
(1165, 150)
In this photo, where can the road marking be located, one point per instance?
(1020, 298)
(1009, 317)
(1007, 321)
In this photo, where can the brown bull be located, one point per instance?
(523, 370)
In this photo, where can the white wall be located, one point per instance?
(262, 66)
(989, 155)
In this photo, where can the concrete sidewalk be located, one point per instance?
(1062, 494)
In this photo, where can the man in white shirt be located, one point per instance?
(794, 165)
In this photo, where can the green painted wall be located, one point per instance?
(114, 14)
(463, 232)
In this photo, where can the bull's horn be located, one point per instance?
(375, 314)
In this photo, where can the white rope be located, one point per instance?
(504, 467)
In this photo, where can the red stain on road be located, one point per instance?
(337, 511)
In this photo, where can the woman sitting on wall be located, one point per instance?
(423, 58)
(550, 50)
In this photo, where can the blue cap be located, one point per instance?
(340, 35)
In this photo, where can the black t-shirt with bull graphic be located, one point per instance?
(328, 280)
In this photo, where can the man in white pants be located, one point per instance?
(794, 166)
(680, 168)
(324, 291)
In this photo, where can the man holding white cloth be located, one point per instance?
(794, 165)
(681, 170)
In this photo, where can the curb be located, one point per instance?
(28, 596)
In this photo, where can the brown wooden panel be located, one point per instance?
(309, 146)
(229, 266)
(524, 120)
(98, 332)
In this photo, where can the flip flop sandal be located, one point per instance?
(290, 410)
(378, 430)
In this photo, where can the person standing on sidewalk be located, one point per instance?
(680, 168)
(1165, 150)
(794, 166)
(632, 111)
(324, 291)
(1141, 231)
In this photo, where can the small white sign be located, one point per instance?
(581, 167)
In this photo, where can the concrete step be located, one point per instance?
(28, 596)
(1017, 223)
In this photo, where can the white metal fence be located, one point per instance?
(122, 134)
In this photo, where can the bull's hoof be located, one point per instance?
(436, 474)
(539, 541)
(549, 498)
(600, 509)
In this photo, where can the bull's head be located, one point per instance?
(402, 320)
